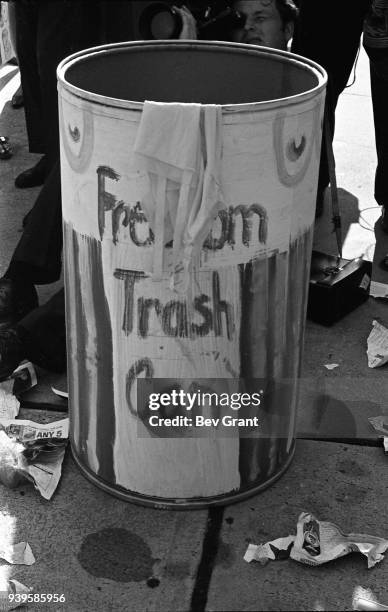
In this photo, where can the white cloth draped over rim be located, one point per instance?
(179, 147)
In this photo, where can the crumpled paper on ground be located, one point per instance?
(22, 379)
(32, 451)
(9, 404)
(317, 542)
(13, 587)
(331, 366)
(364, 599)
(377, 350)
(18, 554)
(378, 290)
(380, 424)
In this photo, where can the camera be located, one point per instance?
(160, 20)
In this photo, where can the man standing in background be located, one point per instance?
(376, 46)
(329, 33)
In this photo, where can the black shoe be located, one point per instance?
(17, 299)
(384, 220)
(33, 177)
(11, 351)
(17, 99)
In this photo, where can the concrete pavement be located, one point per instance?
(105, 554)
(99, 552)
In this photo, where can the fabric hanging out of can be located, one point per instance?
(179, 147)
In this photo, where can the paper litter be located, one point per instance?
(22, 379)
(32, 451)
(317, 542)
(377, 350)
(380, 424)
(18, 554)
(331, 366)
(8, 601)
(364, 599)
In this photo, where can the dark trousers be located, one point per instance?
(44, 332)
(37, 260)
(329, 33)
(37, 256)
(378, 59)
(46, 32)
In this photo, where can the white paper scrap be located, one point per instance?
(331, 366)
(46, 476)
(34, 451)
(7, 599)
(18, 554)
(60, 392)
(378, 290)
(317, 542)
(9, 404)
(269, 551)
(364, 599)
(380, 424)
(377, 345)
(27, 431)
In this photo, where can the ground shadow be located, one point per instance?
(324, 236)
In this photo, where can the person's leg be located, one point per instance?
(40, 337)
(26, 330)
(37, 257)
(17, 98)
(38, 253)
(43, 334)
(46, 33)
(26, 13)
(379, 88)
(378, 59)
(12, 24)
(59, 24)
(330, 36)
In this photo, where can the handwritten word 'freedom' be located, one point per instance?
(133, 217)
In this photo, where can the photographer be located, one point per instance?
(38, 333)
(269, 23)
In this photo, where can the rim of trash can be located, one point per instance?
(103, 100)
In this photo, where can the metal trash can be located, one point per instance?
(251, 284)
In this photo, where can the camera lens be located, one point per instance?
(159, 21)
(163, 25)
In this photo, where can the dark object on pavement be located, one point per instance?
(33, 177)
(5, 148)
(11, 351)
(337, 286)
(17, 99)
(16, 300)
